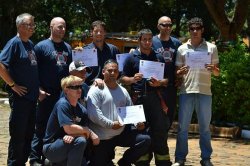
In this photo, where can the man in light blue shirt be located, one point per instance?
(101, 108)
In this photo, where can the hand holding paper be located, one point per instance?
(88, 56)
(131, 114)
(197, 59)
(120, 58)
(152, 69)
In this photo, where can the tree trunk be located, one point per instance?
(228, 29)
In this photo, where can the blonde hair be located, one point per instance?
(69, 80)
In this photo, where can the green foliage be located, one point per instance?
(2, 84)
(231, 90)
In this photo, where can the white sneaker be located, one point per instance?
(179, 163)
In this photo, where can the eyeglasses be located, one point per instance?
(29, 25)
(195, 28)
(74, 87)
(166, 24)
(145, 40)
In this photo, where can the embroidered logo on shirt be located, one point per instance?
(32, 57)
(168, 55)
(77, 119)
(61, 57)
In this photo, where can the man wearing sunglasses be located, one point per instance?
(66, 134)
(167, 46)
(102, 110)
(195, 91)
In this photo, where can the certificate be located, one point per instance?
(152, 69)
(131, 114)
(197, 59)
(120, 58)
(88, 56)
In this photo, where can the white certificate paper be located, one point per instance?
(197, 59)
(120, 58)
(152, 69)
(88, 56)
(131, 114)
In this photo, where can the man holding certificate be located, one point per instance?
(147, 90)
(196, 61)
(102, 108)
(101, 51)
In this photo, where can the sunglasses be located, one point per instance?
(166, 24)
(195, 28)
(74, 87)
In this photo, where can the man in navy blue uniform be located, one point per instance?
(148, 92)
(105, 51)
(167, 46)
(18, 68)
(54, 56)
(67, 132)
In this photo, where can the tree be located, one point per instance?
(229, 28)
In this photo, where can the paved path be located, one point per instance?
(227, 152)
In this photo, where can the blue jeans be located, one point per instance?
(202, 105)
(66, 154)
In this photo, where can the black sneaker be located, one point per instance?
(206, 163)
(121, 162)
(179, 163)
(47, 163)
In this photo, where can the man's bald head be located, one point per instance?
(164, 19)
(57, 28)
(56, 20)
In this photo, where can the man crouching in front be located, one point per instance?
(66, 134)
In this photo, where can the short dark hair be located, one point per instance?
(98, 23)
(195, 20)
(110, 61)
(143, 32)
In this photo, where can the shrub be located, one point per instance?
(231, 90)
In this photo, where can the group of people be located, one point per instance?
(66, 112)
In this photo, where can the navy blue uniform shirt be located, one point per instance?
(168, 50)
(54, 59)
(109, 51)
(131, 67)
(64, 114)
(21, 61)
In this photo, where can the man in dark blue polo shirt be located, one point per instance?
(148, 92)
(105, 50)
(67, 134)
(167, 46)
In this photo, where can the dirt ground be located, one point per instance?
(227, 152)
